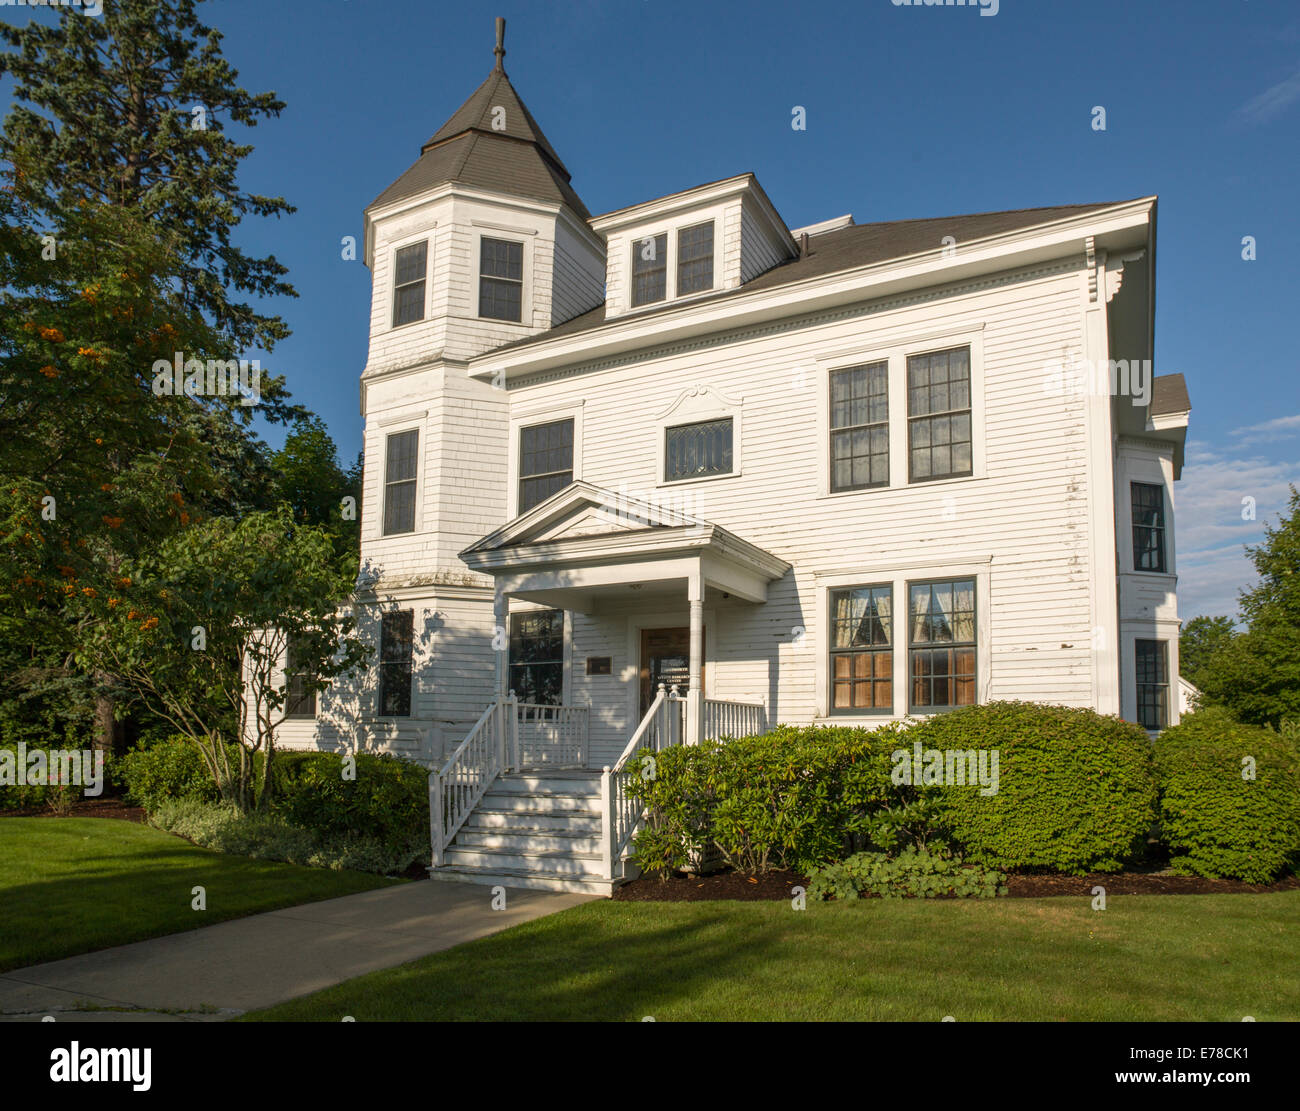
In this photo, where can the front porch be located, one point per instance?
(537, 792)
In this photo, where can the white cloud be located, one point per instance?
(1279, 428)
(1273, 100)
(1211, 532)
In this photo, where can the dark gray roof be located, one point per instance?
(1169, 395)
(851, 247)
(517, 159)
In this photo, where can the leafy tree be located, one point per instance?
(201, 629)
(1200, 638)
(309, 478)
(1256, 675)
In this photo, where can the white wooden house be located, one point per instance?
(842, 473)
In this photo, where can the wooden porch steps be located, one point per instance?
(532, 829)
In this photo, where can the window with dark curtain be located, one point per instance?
(545, 461)
(399, 482)
(1148, 526)
(537, 656)
(942, 644)
(695, 258)
(698, 450)
(408, 283)
(862, 653)
(299, 701)
(1152, 683)
(501, 279)
(938, 411)
(860, 427)
(396, 649)
(649, 269)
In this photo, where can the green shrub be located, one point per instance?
(167, 771)
(220, 827)
(1216, 822)
(387, 801)
(913, 873)
(57, 796)
(794, 797)
(1076, 790)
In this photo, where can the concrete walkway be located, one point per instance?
(219, 971)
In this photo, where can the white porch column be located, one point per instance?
(501, 638)
(695, 690)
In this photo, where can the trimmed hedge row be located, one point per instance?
(387, 803)
(1076, 792)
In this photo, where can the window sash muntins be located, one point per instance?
(859, 426)
(942, 644)
(409, 270)
(698, 450)
(939, 416)
(402, 457)
(396, 652)
(536, 669)
(501, 280)
(545, 461)
(649, 269)
(1148, 503)
(695, 258)
(861, 650)
(1151, 661)
(298, 702)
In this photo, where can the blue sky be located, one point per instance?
(911, 112)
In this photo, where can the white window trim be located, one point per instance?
(524, 237)
(627, 242)
(899, 578)
(1139, 462)
(695, 405)
(418, 426)
(528, 418)
(566, 684)
(1130, 633)
(896, 353)
(418, 615)
(396, 245)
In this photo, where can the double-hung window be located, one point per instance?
(396, 649)
(650, 269)
(1152, 660)
(501, 279)
(862, 649)
(939, 415)
(300, 702)
(860, 427)
(941, 644)
(399, 482)
(1148, 503)
(537, 656)
(545, 461)
(695, 259)
(409, 271)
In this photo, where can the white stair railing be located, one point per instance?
(553, 736)
(733, 719)
(456, 788)
(663, 725)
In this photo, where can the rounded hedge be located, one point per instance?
(1217, 820)
(1075, 793)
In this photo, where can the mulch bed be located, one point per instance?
(83, 808)
(776, 885)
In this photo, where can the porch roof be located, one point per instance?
(586, 545)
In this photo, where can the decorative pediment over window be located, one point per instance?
(699, 402)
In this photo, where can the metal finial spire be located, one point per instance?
(500, 50)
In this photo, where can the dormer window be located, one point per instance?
(501, 280)
(408, 283)
(650, 269)
(695, 259)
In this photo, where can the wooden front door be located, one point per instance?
(666, 658)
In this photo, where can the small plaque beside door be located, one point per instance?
(598, 665)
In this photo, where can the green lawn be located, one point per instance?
(1204, 957)
(72, 885)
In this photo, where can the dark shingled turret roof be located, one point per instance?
(516, 159)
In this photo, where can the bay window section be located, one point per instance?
(410, 266)
(396, 651)
(941, 644)
(402, 451)
(1148, 505)
(1152, 657)
(501, 280)
(862, 653)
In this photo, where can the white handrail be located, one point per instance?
(456, 788)
(732, 719)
